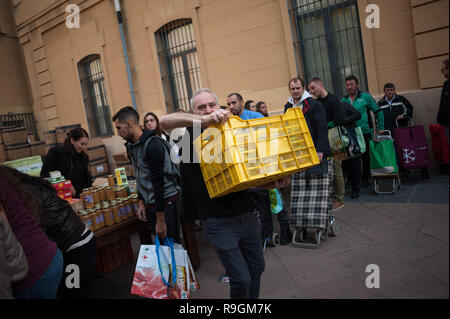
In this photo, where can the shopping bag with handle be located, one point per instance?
(162, 272)
(382, 156)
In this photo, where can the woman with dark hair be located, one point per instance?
(62, 225)
(71, 160)
(250, 105)
(45, 261)
(151, 122)
(261, 107)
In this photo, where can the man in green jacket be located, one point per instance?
(364, 103)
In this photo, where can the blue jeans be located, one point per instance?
(237, 241)
(46, 286)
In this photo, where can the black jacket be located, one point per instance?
(72, 165)
(399, 106)
(57, 218)
(443, 114)
(316, 120)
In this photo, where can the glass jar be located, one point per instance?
(87, 220)
(91, 217)
(108, 214)
(115, 209)
(88, 199)
(135, 203)
(122, 210)
(110, 180)
(132, 186)
(102, 194)
(110, 193)
(100, 217)
(129, 207)
(96, 196)
(123, 192)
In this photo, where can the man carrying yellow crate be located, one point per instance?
(228, 222)
(311, 190)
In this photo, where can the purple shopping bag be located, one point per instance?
(411, 146)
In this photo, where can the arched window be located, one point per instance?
(178, 61)
(94, 96)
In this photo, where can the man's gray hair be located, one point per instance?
(203, 90)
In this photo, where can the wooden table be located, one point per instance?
(111, 234)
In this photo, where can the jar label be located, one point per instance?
(89, 199)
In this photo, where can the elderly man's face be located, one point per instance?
(205, 104)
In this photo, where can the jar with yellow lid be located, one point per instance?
(91, 219)
(110, 193)
(100, 217)
(129, 207)
(111, 181)
(96, 196)
(108, 214)
(134, 203)
(102, 194)
(87, 220)
(88, 199)
(115, 210)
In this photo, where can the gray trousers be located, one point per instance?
(237, 241)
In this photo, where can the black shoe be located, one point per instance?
(355, 194)
(365, 183)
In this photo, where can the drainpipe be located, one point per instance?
(125, 53)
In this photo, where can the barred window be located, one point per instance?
(329, 42)
(178, 61)
(94, 96)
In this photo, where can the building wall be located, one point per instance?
(243, 46)
(14, 89)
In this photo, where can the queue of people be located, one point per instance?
(41, 234)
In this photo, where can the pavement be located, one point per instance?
(405, 234)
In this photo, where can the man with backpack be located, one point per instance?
(156, 174)
(337, 113)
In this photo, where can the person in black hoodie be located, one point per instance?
(71, 160)
(443, 116)
(62, 225)
(312, 189)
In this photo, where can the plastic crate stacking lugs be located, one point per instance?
(241, 154)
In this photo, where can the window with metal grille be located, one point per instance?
(178, 61)
(94, 96)
(329, 42)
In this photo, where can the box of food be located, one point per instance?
(30, 165)
(94, 142)
(65, 196)
(63, 187)
(14, 136)
(96, 153)
(18, 151)
(38, 148)
(121, 176)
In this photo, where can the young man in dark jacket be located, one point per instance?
(443, 113)
(311, 190)
(156, 174)
(336, 115)
(395, 108)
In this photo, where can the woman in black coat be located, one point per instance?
(71, 160)
(63, 226)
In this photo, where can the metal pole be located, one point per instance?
(125, 52)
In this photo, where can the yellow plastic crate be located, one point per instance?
(242, 154)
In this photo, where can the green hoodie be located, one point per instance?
(363, 102)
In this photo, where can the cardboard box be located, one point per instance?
(63, 187)
(3, 157)
(30, 138)
(94, 142)
(50, 137)
(2, 128)
(99, 168)
(62, 131)
(30, 165)
(97, 153)
(65, 196)
(18, 151)
(121, 158)
(14, 136)
(38, 148)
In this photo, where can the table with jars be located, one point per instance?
(110, 212)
